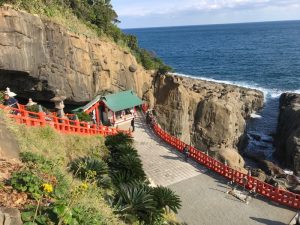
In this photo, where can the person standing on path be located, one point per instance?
(186, 153)
(132, 124)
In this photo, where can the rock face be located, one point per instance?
(288, 131)
(209, 115)
(39, 57)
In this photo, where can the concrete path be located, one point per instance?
(203, 193)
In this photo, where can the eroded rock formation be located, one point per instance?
(209, 115)
(39, 57)
(288, 131)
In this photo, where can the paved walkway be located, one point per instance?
(203, 193)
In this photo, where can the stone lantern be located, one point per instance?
(59, 105)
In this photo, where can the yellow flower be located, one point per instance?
(47, 188)
(84, 186)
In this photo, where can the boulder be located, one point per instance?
(270, 168)
(132, 68)
(232, 158)
(10, 216)
(288, 131)
(259, 174)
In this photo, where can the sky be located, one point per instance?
(162, 13)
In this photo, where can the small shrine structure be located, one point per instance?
(113, 109)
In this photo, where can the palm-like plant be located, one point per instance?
(166, 199)
(120, 138)
(135, 202)
(133, 165)
(85, 166)
(119, 150)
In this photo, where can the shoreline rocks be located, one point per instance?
(288, 131)
(211, 116)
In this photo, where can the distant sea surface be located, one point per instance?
(264, 56)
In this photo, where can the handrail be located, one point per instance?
(63, 125)
(273, 193)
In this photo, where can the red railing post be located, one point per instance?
(42, 118)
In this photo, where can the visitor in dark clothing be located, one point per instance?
(132, 124)
(186, 152)
(10, 101)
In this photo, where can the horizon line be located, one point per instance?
(213, 24)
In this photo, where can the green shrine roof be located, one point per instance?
(121, 100)
(115, 102)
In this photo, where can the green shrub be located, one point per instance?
(33, 108)
(87, 167)
(35, 160)
(1, 92)
(83, 116)
(118, 139)
(26, 181)
(135, 203)
(165, 198)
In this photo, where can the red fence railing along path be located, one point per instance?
(63, 125)
(273, 193)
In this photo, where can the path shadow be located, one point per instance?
(215, 189)
(266, 221)
(172, 157)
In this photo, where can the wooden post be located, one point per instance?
(42, 118)
(97, 114)
(114, 117)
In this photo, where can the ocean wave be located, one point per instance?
(254, 115)
(268, 93)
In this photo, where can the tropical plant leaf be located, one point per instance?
(166, 198)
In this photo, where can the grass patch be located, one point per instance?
(46, 155)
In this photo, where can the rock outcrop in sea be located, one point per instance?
(39, 58)
(288, 131)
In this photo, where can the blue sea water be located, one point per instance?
(264, 56)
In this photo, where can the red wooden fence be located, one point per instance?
(273, 193)
(66, 126)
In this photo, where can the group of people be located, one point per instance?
(10, 101)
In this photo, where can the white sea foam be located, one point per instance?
(268, 93)
(254, 115)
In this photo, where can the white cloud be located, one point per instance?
(139, 8)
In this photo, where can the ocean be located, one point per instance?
(263, 56)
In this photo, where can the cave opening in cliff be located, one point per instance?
(25, 85)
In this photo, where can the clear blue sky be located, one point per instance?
(157, 13)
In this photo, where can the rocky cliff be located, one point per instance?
(209, 115)
(288, 131)
(39, 58)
